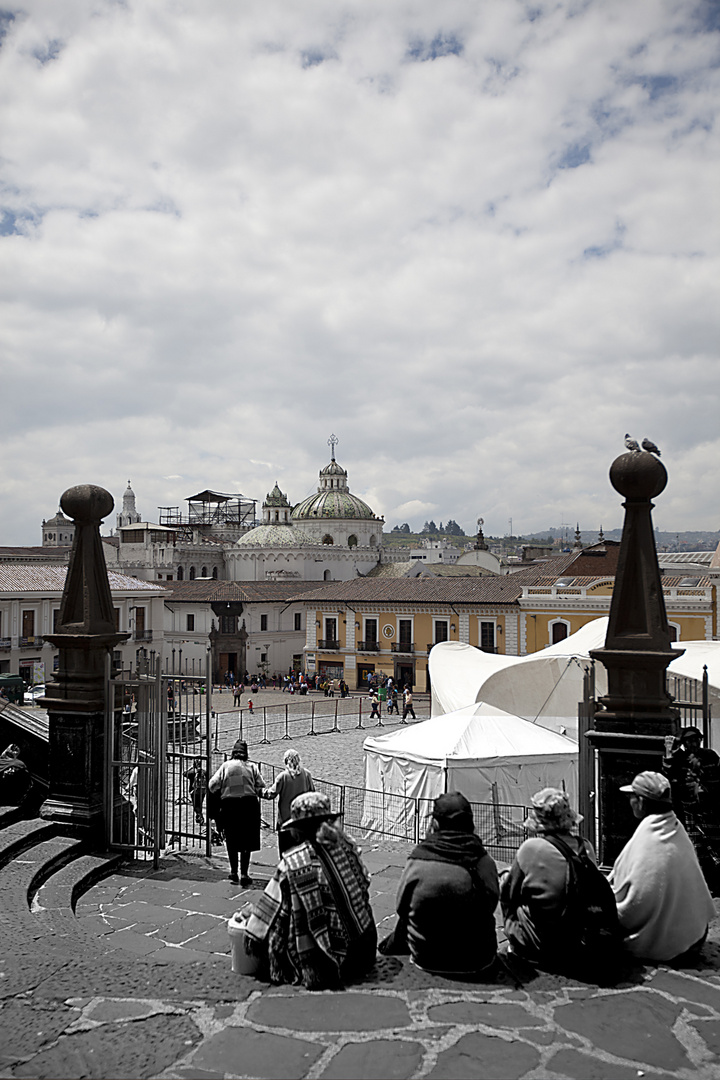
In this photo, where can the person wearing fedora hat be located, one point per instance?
(534, 893)
(447, 897)
(313, 926)
(663, 902)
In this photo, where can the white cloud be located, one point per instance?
(232, 229)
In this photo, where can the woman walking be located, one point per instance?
(294, 780)
(240, 785)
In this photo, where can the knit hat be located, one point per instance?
(312, 807)
(650, 785)
(453, 811)
(240, 749)
(690, 733)
(551, 812)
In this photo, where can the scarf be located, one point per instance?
(459, 848)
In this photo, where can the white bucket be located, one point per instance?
(242, 963)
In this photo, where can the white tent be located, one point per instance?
(546, 687)
(487, 754)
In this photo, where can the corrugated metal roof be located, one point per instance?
(38, 577)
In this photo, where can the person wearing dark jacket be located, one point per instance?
(447, 896)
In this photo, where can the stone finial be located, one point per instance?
(86, 606)
(638, 476)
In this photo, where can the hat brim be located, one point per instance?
(298, 823)
(628, 789)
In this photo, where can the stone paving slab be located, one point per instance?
(135, 1003)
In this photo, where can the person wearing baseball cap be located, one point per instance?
(663, 902)
(447, 896)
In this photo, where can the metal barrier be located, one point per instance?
(383, 815)
(305, 716)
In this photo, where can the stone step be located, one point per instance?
(21, 835)
(65, 886)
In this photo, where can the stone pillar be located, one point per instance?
(75, 698)
(636, 713)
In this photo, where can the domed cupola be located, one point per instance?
(129, 515)
(333, 498)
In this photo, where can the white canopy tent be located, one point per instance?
(546, 687)
(487, 754)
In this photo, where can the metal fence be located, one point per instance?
(383, 815)
(304, 716)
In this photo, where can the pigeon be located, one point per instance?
(631, 444)
(650, 447)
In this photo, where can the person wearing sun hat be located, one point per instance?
(534, 892)
(663, 902)
(314, 925)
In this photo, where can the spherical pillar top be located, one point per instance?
(87, 502)
(638, 475)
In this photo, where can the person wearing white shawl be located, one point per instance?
(663, 903)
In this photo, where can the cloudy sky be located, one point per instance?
(478, 241)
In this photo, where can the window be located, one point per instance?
(263, 657)
(203, 572)
(139, 620)
(214, 573)
(189, 622)
(263, 622)
(327, 539)
(487, 636)
(116, 613)
(327, 576)
(558, 631)
(56, 619)
(674, 631)
(371, 631)
(298, 620)
(28, 624)
(352, 541)
(192, 573)
(228, 624)
(331, 629)
(441, 630)
(405, 631)
(180, 573)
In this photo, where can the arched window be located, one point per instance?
(674, 631)
(180, 573)
(559, 630)
(327, 539)
(203, 572)
(373, 540)
(214, 573)
(327, 576)
(352, 540)
(192, 573)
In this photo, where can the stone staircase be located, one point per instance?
(43, 872)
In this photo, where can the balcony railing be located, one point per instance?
(143, 635)
(328, 643)
(30, 642)
(5, 643)
(368, 646)
(403, 646)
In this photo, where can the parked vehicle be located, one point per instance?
(30, 696)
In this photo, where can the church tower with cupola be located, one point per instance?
(129, 515)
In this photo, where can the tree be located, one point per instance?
(453, 529)
(404, 528)
(429, 527)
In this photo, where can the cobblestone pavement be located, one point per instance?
(141, 986)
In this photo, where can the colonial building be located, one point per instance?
(30, 596)
(387, 625)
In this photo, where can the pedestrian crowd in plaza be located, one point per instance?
(314, 925)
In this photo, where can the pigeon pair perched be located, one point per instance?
(647, 445)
